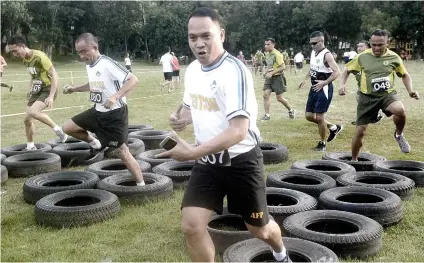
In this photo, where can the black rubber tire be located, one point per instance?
(223, 239)
(156, 186)
(149, 156)
(55, 142)
(395, 183)
(365, 161)
(306, 181)
(411, 169)
(42, 185)
(4, 174)
(2, 158)
(30, 164)
(299, 250)
(139, 127)
(179, 172)
(111, 167)
(286, 202)
(49, 213)
(151, 138)
(135, 146)
(20, 149)
(353, 235)
(75, 154)
(331, 168)
(381, 205)
(274, 153)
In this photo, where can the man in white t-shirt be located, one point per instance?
(352, 54)
(219, 99)
(109, 83)
(166, 62)
(128, 63)
(298, 60)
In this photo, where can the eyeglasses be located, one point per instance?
(313, 43)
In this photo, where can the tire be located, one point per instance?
(274, 153)
(125, 187)
(347, 234)
(411, 169)
(75, 154)
(378, 204)
(64, 209)
(135, 147)
(139, 127)
(42, 185)
(236, 230)
(151, 138)
(4, 174)
(30, 164)
(179, 172)
(331, 168)
(299, 250)
(365, 162)
(3, 157)
(149, 156)
(111, 167)
(306, 181)
(285, 202)
(21, 149)
(395, 183)
(55, 142)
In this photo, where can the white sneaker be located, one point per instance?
(62, 136)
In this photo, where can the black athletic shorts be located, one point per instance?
(167, 76)
(40, 96)
(176, 73)
(128, 68)
(111, 127)
(299, 65)
(243, 183)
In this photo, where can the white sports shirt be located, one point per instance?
(318, 70)
(218, 93)
(166, 62)
(106, 77)
(298, 58)
(127, 61)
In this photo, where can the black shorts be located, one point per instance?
(40, 96)
(319, 102)
(243, 183)
(176, 73)
(167, 76)
(111, 127)
(129, 68)
(299, 65)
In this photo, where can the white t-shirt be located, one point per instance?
(346, 54)
(106, 77)
(166, 62)
(352, 54)
(127, 61)
(299, 58)
(218, 93)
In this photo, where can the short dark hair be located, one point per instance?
(380, 32)
(88, 38)
(270, 39)
(16, 40)
(316, 34)
(205, 12)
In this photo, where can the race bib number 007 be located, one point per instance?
(96, 96)
(381, 84)
(216, 159)
(36, 86)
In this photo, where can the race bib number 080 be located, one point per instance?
(96, 97)
(36, 86)
(381, 84)
(216, 159)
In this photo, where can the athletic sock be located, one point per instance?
(30, 145)
(280, 256)
(266, 114)
(333, 128)
(141, 184)
(56, 128)
(95, 144)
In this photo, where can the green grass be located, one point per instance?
(150, 232)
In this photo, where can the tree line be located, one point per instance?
(144, 29)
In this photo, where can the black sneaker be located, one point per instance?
(95, 152)
(333, 134)
(320, 147)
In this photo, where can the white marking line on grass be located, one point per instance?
(82, 106)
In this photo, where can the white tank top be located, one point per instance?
(317, 68)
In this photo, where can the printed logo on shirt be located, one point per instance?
(98, 73)
(202, 103)
(96, 85)
(257, 215)
(213, 85)
(385, 63)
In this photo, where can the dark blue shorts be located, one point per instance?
(319, 102)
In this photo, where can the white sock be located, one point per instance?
(56, 128)
(334, 127)
(30, 145)
(141, 184)
(266, 114)
(95, 144)
(280, 256)
(397, 136)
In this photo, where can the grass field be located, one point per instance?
(151, 232)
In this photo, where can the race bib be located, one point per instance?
(217, 159)
(381, 84)
(312, 73)
(96, 96)
(36, 86)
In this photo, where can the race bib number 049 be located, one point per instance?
(216, 159)
(381, 84)
(96, 96)
(36, 86)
